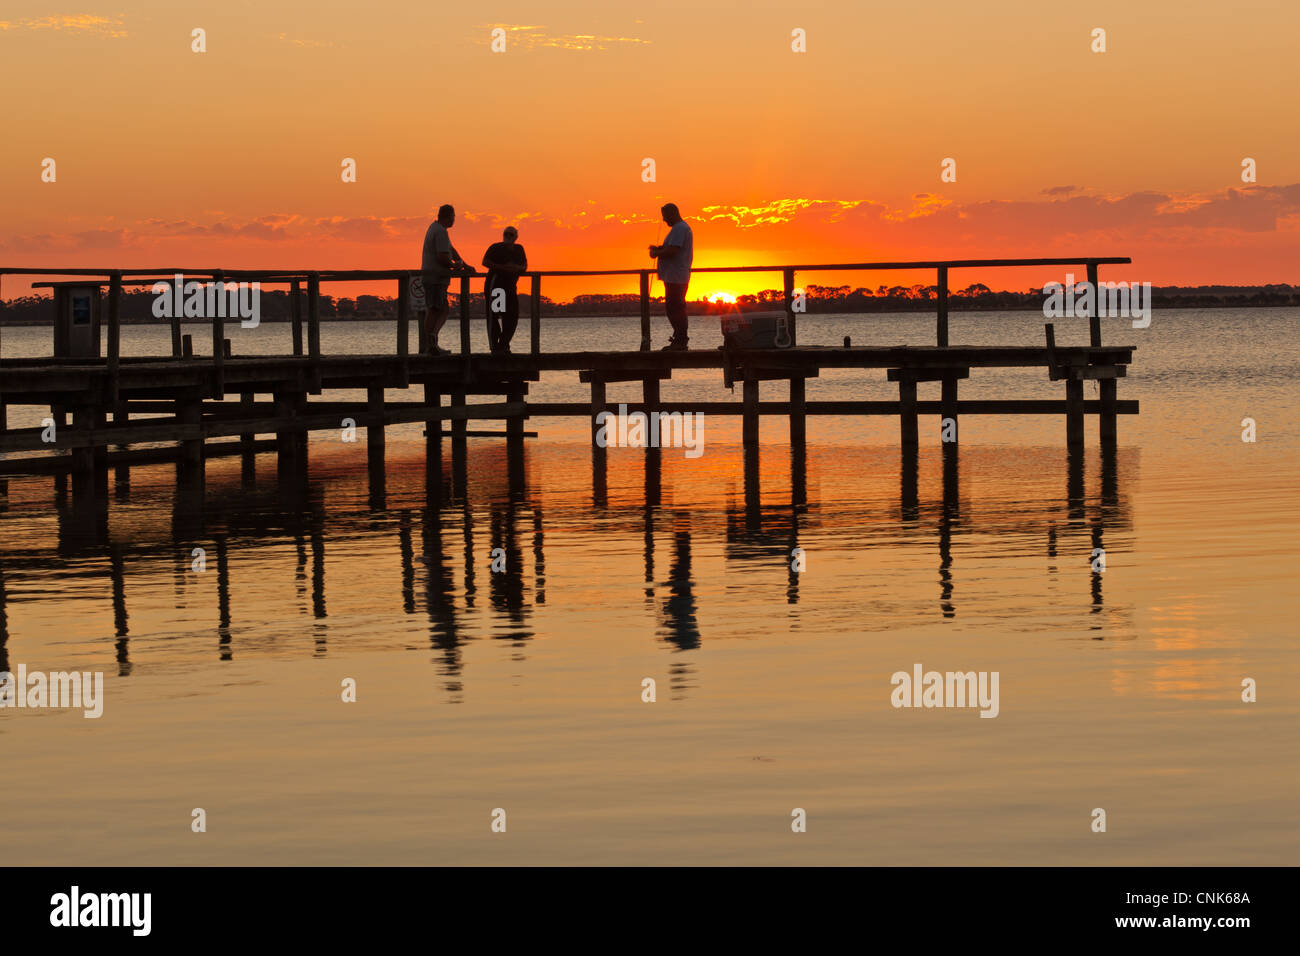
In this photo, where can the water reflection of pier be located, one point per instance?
(448, 537)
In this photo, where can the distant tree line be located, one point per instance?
(137, 304)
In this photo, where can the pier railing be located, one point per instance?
(296, 279)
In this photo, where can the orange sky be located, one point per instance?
(232, 158)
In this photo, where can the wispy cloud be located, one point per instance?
(305, 43)
(114, 27)
(537, 37)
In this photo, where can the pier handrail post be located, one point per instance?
(535, 316)
(313, 328)
(404, 325)
(941, 331)
(788, 276)
(218, 337)
(645, 310)
(464, 314)
(295, 314)
(114, 333)
(175, 321)
(1094, 317)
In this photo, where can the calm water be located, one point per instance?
(523, 690)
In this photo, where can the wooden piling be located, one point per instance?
(645, 310)
(597, 405)
(650, 394)
(83, 458)
(1107, 424)
(313, 329)
(285, 446)
(787, 279)
(295, 315)
(189, 411)
(909, 431)
(464, 316)
(798, 413)
(219, 339)
(114, 335)
(941, 330)
(375, 427)
(459, 422)
(948, 402)
(247, 440)
(433, 427)
(515, 424)
(404, 325)
(1074, 412)
(174, 320)
(749, 425)
(1094, 316)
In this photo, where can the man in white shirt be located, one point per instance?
(439, 260)
(673, 260)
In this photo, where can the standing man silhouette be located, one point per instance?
(439, 260)
(505, 261)
(674, 259)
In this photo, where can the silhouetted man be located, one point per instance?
(674, 268)
(439, 261)
(505, 262)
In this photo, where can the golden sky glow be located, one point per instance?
(232, 157)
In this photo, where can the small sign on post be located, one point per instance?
(417, 293)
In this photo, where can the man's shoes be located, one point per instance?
(434, 351)
(676, 345)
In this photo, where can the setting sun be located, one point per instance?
(726, 297)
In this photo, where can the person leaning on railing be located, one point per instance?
(505, 261)
(439, 262)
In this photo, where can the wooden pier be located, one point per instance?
(193, 402)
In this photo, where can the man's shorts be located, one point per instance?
(435, 292)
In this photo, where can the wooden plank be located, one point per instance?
(368, 274)
(1097, 372)
(145, 430)
(778, 374)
